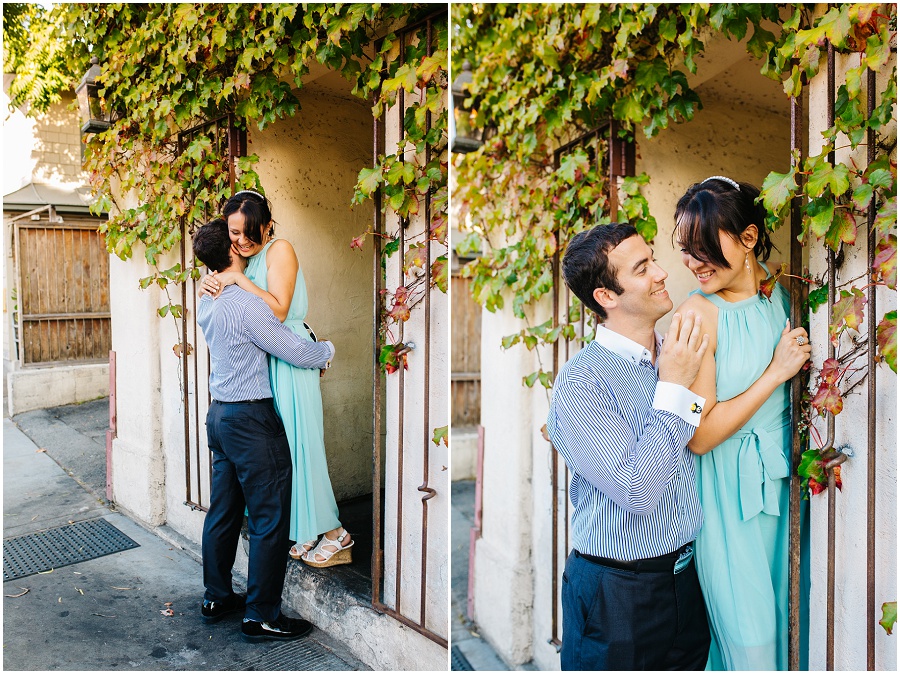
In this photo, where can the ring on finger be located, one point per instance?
(801, 340)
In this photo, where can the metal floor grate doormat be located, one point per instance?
(458, 661)
(62, 546)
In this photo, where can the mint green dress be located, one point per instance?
(742, 549)
(298, 400)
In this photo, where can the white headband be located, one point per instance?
(724, 179)
(250, 192)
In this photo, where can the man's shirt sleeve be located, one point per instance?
(270, 335)
(678, 400)
(597, 441)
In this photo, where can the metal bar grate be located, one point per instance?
(62, 546)
(305, 655)
(458, 661)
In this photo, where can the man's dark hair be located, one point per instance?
(212, 246)
(586, 265)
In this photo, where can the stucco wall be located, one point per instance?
(851, 616)
(308, 167)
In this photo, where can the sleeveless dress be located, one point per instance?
(298, 400)
(742, 549)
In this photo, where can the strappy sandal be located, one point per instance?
(307, 547)
(331, 557)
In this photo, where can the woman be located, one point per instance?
(743, 442)
(273, 273)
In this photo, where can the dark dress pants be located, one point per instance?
(252, 466)
(626, 620)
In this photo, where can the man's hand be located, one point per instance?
(683, 350)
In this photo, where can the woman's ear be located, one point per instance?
(750, 236)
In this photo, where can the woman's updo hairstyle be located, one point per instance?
(719, 204)
(256, 210)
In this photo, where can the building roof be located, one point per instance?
(35, 195)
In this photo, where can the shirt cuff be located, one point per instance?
(679, 401)
(331, 350)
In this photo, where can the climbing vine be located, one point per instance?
(543, 74)
(169, 67)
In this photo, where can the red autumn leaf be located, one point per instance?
(815, 487)
(766, 287)
(399, 312)
(358, 242)
(415, 257)
(848, 311)
(401, 294)
(828, 399)
(177, 349)
(831, 370)
(439, 270)
(438, 228)
(885, 264)
(886, 336)
(843, 228)
(392, 357)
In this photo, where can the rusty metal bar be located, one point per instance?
(428, 491)
(798, 384)
(184, 370)
(401, 373)
(554, 456)
(377, 555)
(829, 443)
(872, 398)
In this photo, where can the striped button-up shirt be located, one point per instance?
(240, 329)
(623, 435)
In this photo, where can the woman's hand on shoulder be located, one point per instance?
(210, 285)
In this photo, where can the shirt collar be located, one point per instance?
(625, 347)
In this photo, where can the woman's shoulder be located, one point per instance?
(280, 251)
(698, 303)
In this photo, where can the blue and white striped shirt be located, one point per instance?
(624, 435)
(240, 329)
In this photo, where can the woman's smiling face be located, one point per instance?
(713, 277)
(244, 246)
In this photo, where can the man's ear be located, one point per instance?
(605, 298)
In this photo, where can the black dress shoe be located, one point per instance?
(281, 629)
(214, 611)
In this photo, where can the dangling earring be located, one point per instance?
(747, 263)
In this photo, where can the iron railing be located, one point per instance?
(416, 618)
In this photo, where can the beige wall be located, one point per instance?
(56, 151)
(308, 167)
(742, 132)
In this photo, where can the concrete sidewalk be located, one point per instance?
(107, 613)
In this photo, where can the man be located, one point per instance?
(621, 416)
(251, 457)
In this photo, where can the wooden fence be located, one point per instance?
(62, 301)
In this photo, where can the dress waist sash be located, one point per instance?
(762, 463)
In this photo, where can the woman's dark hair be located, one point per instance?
(256, 210)
(586, 266)
(212, 245)
(716, 205)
